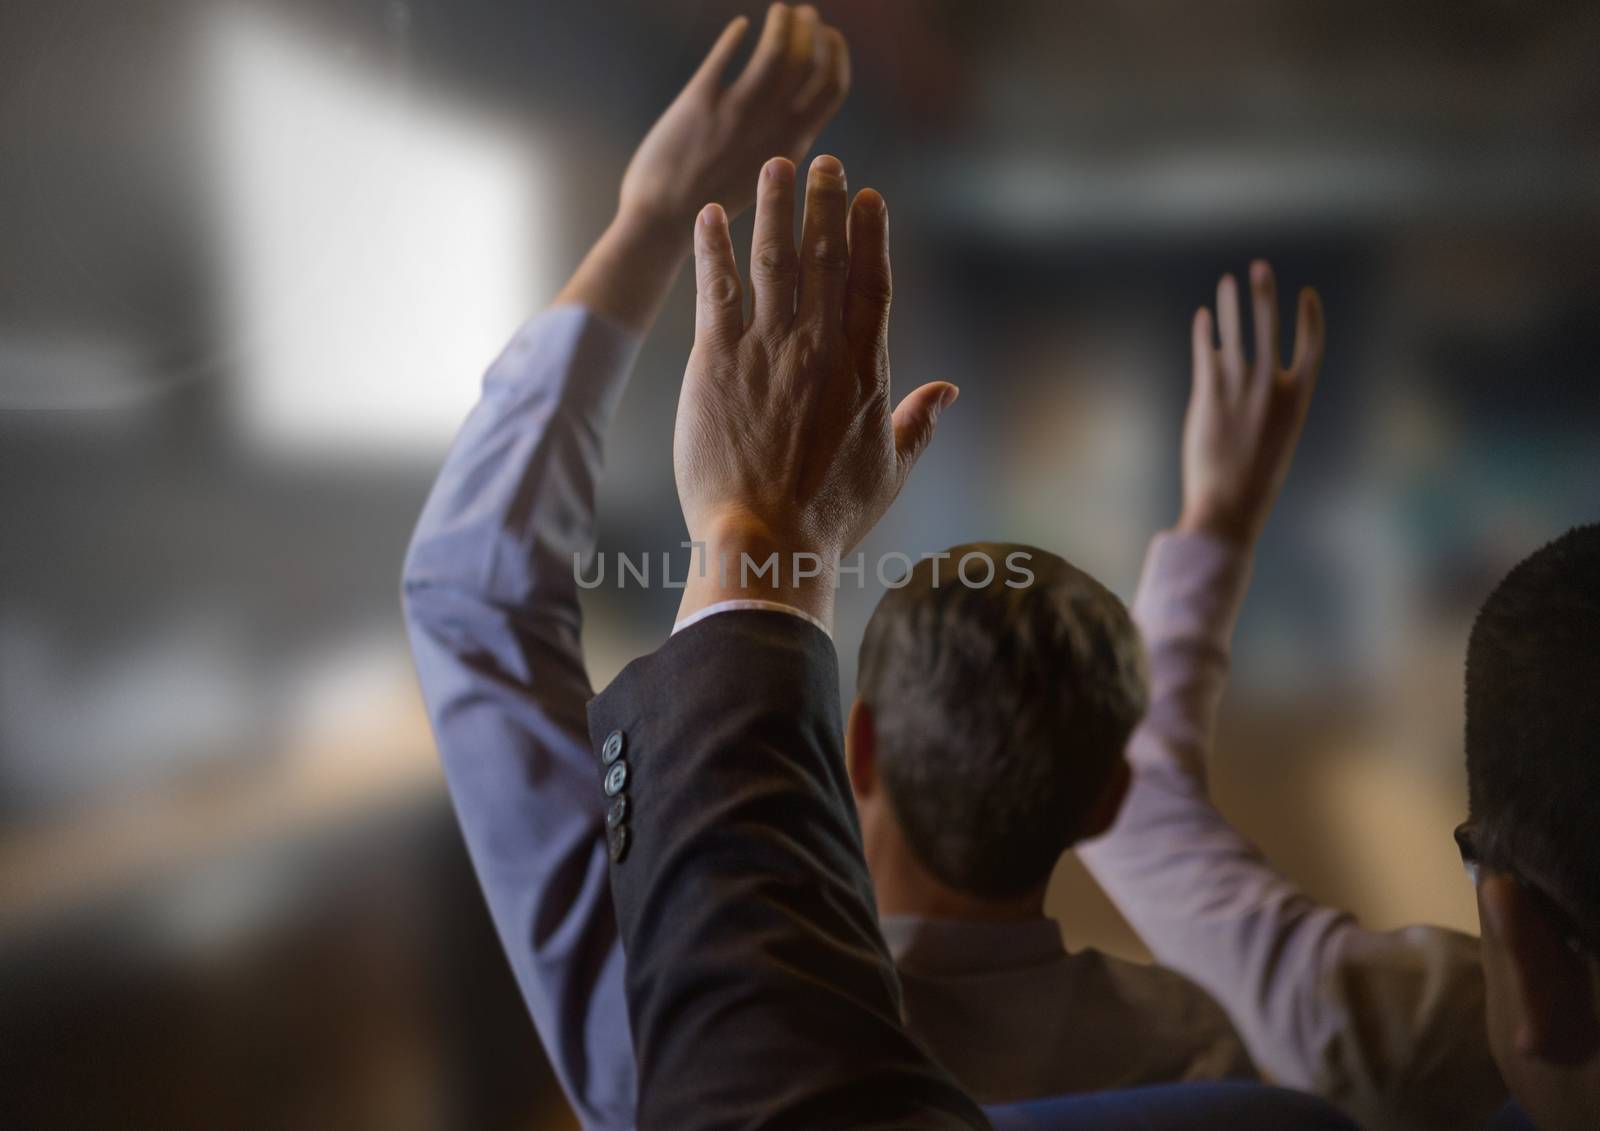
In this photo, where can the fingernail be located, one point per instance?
(779, 170)
(826, 164)
(711, 215)
(948, 398)
(871, 200)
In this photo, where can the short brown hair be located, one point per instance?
(1002, 699)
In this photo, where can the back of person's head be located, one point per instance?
(1003, 685)
(1533, 723)
(1533, 769)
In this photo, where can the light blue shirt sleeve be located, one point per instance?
(491, 606)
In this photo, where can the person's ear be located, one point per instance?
(1552, 994)
(861, 751)
(1104, 813)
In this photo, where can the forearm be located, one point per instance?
(1200, 895)
(1187, 603)
(759, 987)
(629, 271)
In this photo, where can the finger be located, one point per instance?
(823, 94)
(774, 269)
(839, 64)
(1228, 323)
(1264, 311)
(1308, 335)
(1204, 350)
(766, 66)
(869, 287)
(715, 64)
(1296, 384)
(915, 420)
(824, 254)
(719, 299)
(803, 44)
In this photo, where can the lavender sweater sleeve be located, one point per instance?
(1390, 1025)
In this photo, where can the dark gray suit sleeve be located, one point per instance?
(759, 989)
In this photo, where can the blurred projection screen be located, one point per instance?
(377, 248)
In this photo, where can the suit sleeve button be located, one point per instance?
(618, 813)
(616, 778)
(620, 839)
(611, 750)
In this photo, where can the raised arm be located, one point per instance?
(1388, 1024)
(759, 988)
(491, 601)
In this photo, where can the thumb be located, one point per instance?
(915, 418)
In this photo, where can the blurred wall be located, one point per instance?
(255, 254)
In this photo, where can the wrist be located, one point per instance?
(627, 273)
(655, 230)
(1237, 530)
(736, 558)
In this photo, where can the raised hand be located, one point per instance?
(1245, 415)
(708, 146)
(712, 139)
(785, 441)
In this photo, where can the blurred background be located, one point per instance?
(255, 254)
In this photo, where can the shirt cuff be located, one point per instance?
(743, 603)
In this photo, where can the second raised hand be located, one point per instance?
(1245, 414)
(785, 442)
(707, 146)
(712, 139)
